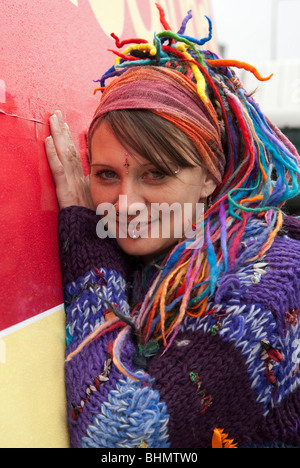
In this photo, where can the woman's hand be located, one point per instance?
(72, 187)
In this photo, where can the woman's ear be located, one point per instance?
(208, 185)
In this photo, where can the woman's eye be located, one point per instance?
(155, 175)
(106, 175)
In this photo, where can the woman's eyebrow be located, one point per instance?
(146, 164)
(101, 164)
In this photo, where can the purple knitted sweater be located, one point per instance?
(235, 369)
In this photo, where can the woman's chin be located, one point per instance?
(145, 248)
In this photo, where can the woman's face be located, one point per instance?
(151, 205)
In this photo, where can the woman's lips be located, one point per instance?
(136, 229)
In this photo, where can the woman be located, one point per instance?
(191, 340)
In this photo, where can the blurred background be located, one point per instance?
(266, 34)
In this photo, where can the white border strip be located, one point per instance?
(36, 318)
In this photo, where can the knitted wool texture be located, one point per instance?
(236, 368)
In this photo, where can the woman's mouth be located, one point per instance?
(137, 229)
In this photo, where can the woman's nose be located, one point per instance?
(131, 202)
(138, 209)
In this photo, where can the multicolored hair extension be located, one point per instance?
(262, 172)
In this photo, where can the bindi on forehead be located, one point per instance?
(126, 165)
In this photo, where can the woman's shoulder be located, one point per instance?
(291, 227)
(256, 310)
(272, 281)
(259, 299)
(284, 254)
(283, 257)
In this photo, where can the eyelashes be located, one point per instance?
(149, 176)
(156, 175)
(106, 175)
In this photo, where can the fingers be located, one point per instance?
(61, 137)
(55, 165)
(64, 145)
(65, 164)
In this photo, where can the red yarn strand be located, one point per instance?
(120, 44)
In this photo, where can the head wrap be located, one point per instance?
(174, 97)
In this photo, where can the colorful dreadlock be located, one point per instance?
(261, 173)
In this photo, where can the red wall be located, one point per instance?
(50, 53)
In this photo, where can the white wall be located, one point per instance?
(255, 30)
(265, 33)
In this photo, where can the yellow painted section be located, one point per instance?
(32, 391)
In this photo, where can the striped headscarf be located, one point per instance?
(174, 97)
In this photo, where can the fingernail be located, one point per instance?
(49, 140)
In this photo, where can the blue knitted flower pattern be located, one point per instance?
(132, 414)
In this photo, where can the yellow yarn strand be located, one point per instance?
(141, 47)
(201, 83)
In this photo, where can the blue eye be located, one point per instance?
(106, 175)
(155, 175)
